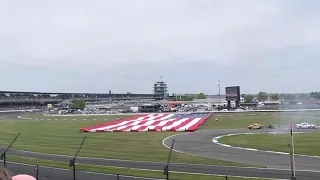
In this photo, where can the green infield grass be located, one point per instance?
(122, 171)
(304, 143)
(225, 120)
(62, 137)
(59, 135)
(243, 121)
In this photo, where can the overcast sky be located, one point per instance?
(126, 45)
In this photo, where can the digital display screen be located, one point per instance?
(233, 93)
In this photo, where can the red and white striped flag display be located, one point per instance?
(153, 122)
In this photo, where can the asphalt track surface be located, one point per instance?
(196, 143)
(48, 173)
(10, 115)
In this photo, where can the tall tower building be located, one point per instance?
(160, 90)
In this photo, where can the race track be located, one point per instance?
(196, 143)
(220, 170)
(200, 144)
(48, 173)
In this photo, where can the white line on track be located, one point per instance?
(151, 162)
(120, 160)
(237, 167)
(140, 169)
(216, 141)
(203, 174)
(87, 172)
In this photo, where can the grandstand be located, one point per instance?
(12, 99)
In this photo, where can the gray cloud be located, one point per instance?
(126, 45)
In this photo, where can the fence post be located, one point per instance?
(293, 176)
(37, 171)
(166, 168)
(3, 155)
(226, 177)
(72, 162)
(118, 177)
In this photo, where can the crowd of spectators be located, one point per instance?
(46, 97)
(29, 98)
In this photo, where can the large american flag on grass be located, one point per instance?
(153, 122)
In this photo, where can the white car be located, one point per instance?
(305, 126)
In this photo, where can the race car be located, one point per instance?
(270, 126)
(255, 126)
(305, 126)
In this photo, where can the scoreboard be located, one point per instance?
(233, 93)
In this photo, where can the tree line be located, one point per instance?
(79, 104)
(187, 97)
(264, 96)
(261, 96)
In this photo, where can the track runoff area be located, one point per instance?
(222, 144)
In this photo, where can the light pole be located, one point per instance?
(291, 152)
(218, 84)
